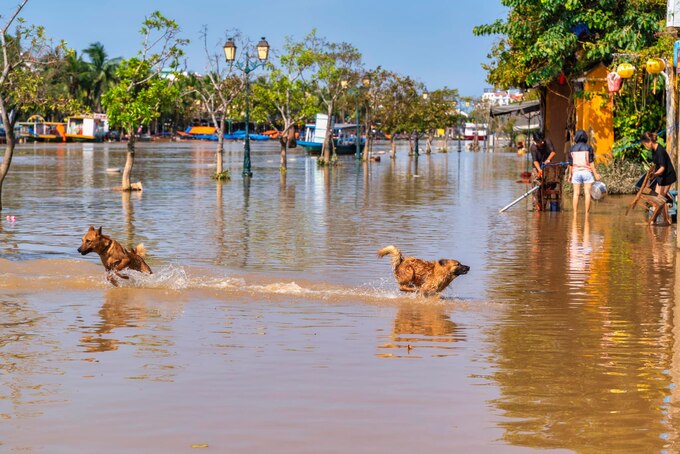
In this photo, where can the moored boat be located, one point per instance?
(37, 129)
(344, 139)
(210, 133)
(474, 130)
(87, 128)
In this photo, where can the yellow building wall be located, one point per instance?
(595, 114)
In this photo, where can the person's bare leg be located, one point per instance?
(577, 190)
(586, 195)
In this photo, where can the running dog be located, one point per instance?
(115, 257)
(416, 275)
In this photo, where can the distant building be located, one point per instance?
(500, 97)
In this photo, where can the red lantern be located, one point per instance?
(561, 79)
(614, 82)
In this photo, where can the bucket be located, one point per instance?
(554, 206)
(598, 190)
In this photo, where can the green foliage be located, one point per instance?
(284, 97)
(139, 95)
(99, 74)
(638, 107)
(396, 104)
(542, 38)
(141, 92)
(225, 175)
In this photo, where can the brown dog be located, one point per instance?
(114, 256)
(416, 275)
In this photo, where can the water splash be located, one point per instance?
(171, 277)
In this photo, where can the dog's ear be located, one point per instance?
(442, 262)
(91, 228)
(99, 231)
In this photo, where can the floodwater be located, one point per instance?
(271, 326)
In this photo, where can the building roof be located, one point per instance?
(520, 108)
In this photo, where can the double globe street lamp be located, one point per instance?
(366, 82)
(247, 66)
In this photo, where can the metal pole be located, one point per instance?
(357, 137)
(416, 144)
(518, 199)
(460, 132)
(246, 146)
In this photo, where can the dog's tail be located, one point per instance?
(397, 258)
(140, 250)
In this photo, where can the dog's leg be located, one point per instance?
(407, 288)
(112, 280)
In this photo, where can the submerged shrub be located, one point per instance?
(621, 175)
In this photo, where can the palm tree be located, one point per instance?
(74, 74)
(102, 73)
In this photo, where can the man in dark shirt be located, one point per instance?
(542, 152)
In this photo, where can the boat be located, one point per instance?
(210, 133)
(199, 133)
(343, 137)
(473, 130)
(37, 129)
(87, 128)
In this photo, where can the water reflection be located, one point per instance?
(581, 342)
(26, 368)
(218, 225)
(117, 311)
(131, 318)
(421, 327)
(671, 402)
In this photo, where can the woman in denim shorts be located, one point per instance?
(582, 168)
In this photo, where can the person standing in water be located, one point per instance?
(542, 152)
(582, 168)
(665, 172)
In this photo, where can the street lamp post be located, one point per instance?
(366, 81)
(417, 153)
(247, 66)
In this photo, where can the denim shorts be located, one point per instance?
(583, 176)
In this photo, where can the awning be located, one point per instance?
(520, 108)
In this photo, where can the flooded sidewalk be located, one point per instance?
(270, 325)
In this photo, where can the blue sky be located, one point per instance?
(429, 40)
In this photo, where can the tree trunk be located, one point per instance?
(328, 140)
(410, 144)
(428, 143)
(393, 147)
(6, 161)
(367, 144)
(283, 142)
(129, 161)
(219, 152)
(9, 147)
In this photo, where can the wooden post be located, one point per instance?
(671, 113)
(672, 25)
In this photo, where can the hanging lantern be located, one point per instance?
(655, 65)
(561, 79)
(625, 70)
(614, 82)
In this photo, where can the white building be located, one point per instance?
(500, 97)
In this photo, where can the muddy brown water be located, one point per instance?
(271, 326)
